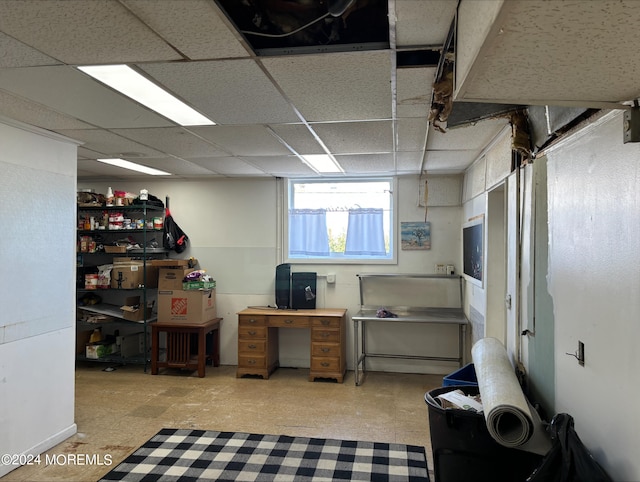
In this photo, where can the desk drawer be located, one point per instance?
(328, 364)
(289, 321)
(325, 349)
(252, 332)
(325, 335)
(254, 347)
(252, 320)
(328, 322)
(251, 361)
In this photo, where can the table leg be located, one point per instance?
(216, 347)
(202, 352)
(155, 338)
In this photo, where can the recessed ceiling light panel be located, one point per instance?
(134, 167)
(134, 85)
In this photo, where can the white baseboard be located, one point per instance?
(43, 446)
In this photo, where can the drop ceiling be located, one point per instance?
(343, 87)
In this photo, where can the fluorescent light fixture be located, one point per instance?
(134, 167)
(130, 83)
(322, 163)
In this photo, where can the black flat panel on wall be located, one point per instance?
(303, 291)
(283, 286)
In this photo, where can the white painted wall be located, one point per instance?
(594, 280)
(37, 282)
(485, 174)
(232, 227)
(593, 284)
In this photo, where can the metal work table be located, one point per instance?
(389, 287)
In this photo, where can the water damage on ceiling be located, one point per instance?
(287, 27)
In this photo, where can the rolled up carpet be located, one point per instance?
(506, 410)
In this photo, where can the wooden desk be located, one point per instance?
(179, 345)
(258, 340)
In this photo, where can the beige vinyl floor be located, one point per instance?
(118, 411)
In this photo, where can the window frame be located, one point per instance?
(393, 215)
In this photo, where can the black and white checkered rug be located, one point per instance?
(189, 455)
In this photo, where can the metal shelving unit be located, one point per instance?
(91, 260)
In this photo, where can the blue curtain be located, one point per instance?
(365, 233)
(308, 232)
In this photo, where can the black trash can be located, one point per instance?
(463, 450)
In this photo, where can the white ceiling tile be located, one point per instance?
(421, 23)
(408, 111)
(470, 137)
(175, 166)
(281, 166)
(338, 86)
(576, 54)
(110, 144)
(413, 91)
(93, 168)
(366, 163)
(83, 32)
(71, 92)
(36, 114)
(228, 166)
(409, 161)
(88, 154)
(178, 141)
(412, 134)
(356, 137)
(234, 140)
(198, 31)
(449, 161)
(226, 91)
(298, 137)
(17, 54)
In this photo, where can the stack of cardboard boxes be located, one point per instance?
(179, 305)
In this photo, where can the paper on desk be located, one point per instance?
(459, 400)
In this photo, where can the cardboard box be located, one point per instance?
(129, 274)
(171, 278)
(100, 350)
(132, 311)
(115, 249)
(198, 285)
(131, 344)
(171, 263)
(179, 306)
(82, 339)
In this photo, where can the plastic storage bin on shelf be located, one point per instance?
(464, 450)
(464, 376)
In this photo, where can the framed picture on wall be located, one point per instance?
(473, 250)
(415, 235)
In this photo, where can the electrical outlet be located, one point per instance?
(441, 269)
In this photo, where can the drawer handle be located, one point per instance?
(252, 346)
(325, 334)
(251, 362)
(325, 350)
(252, 332)
(252, 320)
(325, 322)
(288, 321)
(325, 364)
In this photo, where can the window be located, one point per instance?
(340, 220)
